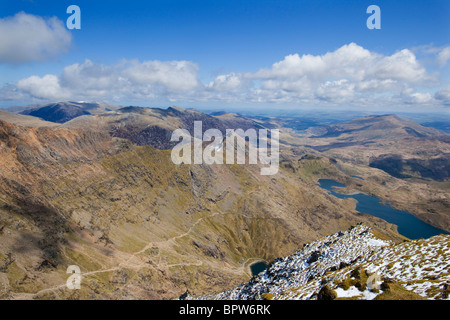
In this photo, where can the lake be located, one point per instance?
(408, 225)
(258, 267)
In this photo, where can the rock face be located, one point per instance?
(353, 264)
(326, 294)
(154, 126)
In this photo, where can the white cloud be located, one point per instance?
(350, 62)
(444, 95)
(47, 87)
(402, 65)
(338, 91)
(421, 98)
(10, 92)
(128, 79)
(411, 96)
(172, 75)
(444, 56)
(294, 66)
(376, 85)
(440, 55)
(90, 80)
(348, 76)
(232, 82)
(25, 37)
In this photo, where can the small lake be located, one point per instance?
(408, 225)
(258, 267)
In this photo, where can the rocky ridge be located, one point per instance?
(354, 264)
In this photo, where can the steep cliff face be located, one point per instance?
(139, 226)
(354, 264)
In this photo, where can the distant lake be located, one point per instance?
(408, 225)
(258, 267)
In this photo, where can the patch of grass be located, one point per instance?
(103, 277)
(268, 296)
(130, 244)
(398, 292)
(82, 260)
(310, 169)
(347, 283)
(19, 280)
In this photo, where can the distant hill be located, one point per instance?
(17, 109)
(26, 121)
(441, 125)
(56, 112)
(374, 127)
(61, 112)
(400, 147)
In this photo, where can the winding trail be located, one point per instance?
(136, 263)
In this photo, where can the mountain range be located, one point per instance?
(92, 185)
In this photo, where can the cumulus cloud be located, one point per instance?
(350, 75)
(91, 80)
(402, 65)
(25, 37)
(127, 79)
(229, 82)
(10, 92)
(172, 75)
(443, 95)
(341, 90)
(444, 56)
(46, 87)
(418, 98)
(441, 55)
(351, 62)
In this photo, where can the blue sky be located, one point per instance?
(260, 54)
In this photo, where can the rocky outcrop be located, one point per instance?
(354, 264)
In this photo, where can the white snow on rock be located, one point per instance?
(353, 292)
(421, 266)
